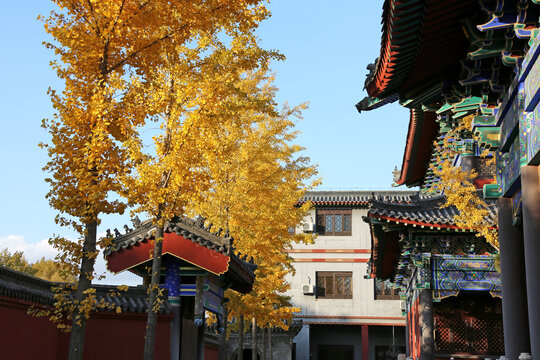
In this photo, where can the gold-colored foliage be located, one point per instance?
(51, 270)
(107, 55)
(43, 268)
(458, 188)
(16, 261)
(190, 99)
(65, 305)
(257, 175)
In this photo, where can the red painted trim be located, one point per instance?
(349, 317)
(337, 251)
(422, 131)
(340, 260)
(479, 183)
(351, 323)
(175, 245)
(420, 223)
(341, 203)
(408, 148)
(365, 342)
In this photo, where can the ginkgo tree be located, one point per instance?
(101, 47)
(457, 184)
(46, 269)
(199, 90)
(255, 183)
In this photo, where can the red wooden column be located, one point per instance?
(427, 341)
(365, 342)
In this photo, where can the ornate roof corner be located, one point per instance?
(369, 103)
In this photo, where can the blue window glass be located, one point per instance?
(346, 222)
(338, 223)
(329, 223)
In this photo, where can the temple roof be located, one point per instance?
(422, 40)
(355, 198)
(27, 288)
(392, 224)
(453, 58)
(187, 239)
(191, 229)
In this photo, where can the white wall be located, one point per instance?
(362, 302)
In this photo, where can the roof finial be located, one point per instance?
(136, 222)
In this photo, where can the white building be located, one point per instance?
(346, 315)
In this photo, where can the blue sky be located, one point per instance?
(327, 46)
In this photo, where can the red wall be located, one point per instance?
(211, 352)
(413, 337)
(121, 336)
(26, 337)
(108, 335)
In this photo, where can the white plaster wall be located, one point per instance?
(362, 302)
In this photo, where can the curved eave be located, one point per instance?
(422, 224)
(385, 252)
(421, 134)
(401, 28)
(240, 275)
(422, 40)
(442, 44)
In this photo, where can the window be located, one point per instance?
(385, 291)
(334, 222)
(334, 285)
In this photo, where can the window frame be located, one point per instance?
(394, 292)
(321, 215)
(321, 292)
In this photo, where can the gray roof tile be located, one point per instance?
(356, 198)
(20, 286)
(424, 209)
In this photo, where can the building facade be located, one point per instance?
(447, 276)
(474, 62)
(346, 314)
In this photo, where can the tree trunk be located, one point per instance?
(153, 307)
(253, 338)
(270, 343)
(78, 326)
(240, 355)
(263, 333)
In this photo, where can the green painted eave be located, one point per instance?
(444, 108)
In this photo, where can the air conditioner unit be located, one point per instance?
(403, 307)
(307, 289)
(308, 227)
